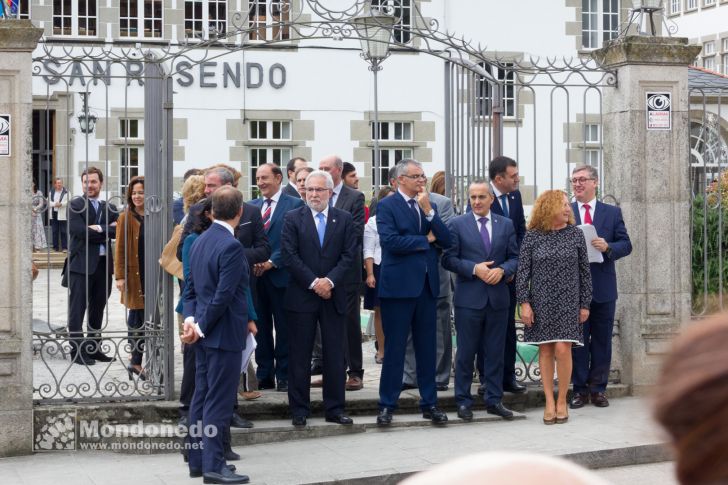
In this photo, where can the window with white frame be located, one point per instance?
(599, 22)
(394, 131)
(262, 155)
(140, 18)
(388, 157)
(691, 4)
(401, 10)
(724, 62)
(484, 91)
(129, 128)
(266, 19)
(270, 130)
(709, 63)
(205, 19)
(591, 133)
(74, 17)
(675, 6)
(709, 48)
(725, 44)
(130, 157)
(708, 3)
(592, 157)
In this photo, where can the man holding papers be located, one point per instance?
(592, 361)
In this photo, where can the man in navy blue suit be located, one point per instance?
(318, 246)
(216, 321)
(483, 255)
(409, 284)
(271, 355)
(592, 361)
(504, 180)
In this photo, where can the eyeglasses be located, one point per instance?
(580, 180)
(317, 190)
(420, 176)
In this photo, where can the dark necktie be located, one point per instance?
(504, 205)
(587, 214)
(266, 214)
(484, 235)
(413, 206)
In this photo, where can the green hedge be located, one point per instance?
(707, 241)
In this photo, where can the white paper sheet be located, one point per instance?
(250, 345)
(590, 233)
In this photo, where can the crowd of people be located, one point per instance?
(289, 268)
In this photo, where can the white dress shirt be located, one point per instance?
(592, 208)
(372, 249)
(273, 203)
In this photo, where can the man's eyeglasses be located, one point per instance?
(317, 190)
(580, 180)
(420, 176)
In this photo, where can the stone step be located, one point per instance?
(157, 438)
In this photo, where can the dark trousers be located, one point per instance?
(187, 388)
(399, 317)
(135, 322)
(58, 233)
(443, 362)
(354, 358)
(88, 291)
(473, 327)
(216, 383)
(302, 331)
(509, 351)
(592, 361)
(271, 355)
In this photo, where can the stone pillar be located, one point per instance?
(647, 172)
(18, 38)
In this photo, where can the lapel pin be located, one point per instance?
(333, 220)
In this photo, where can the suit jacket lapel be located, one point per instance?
(340, 198)
(598, 219)
(309, 225)
(410, 212)
(277, 214)
(330, 227)
(472, 225)
(577, 215)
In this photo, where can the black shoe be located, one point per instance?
(266, 384)
(499, 410)
(435, 415)
(407, 387)
(225, 476)
(384, 418)
(599, 399)
(578, 400)
(238, 421)
(282, 386)
(465, 413)
(230, 455)
(316, 369)
(131, 370)
(514, 387)
(340, 419)
(481, 390)
(298, 421)
(443, 387)
(101, 357)
(82, 359)
(195, 473)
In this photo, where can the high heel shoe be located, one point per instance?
(130, 369)
(562, 418)
(549, 417)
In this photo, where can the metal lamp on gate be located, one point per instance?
(86, 120)
(646, 10)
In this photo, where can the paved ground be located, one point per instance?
(652, 474)
(626, 423)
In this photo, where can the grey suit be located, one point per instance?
(444, 304)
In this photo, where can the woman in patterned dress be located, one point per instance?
(554, 290)
(37, 228)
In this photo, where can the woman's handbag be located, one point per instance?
(169, 261)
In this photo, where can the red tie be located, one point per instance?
(266, 214)
(587, 214)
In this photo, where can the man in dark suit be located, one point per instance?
(484, 255)
(592, 361)
(409, 285)
(58, 202)
(215, 310)
(318, 246)
(351, 201)
(92, 226)
(293, 165)
(271, 355)
(504, 180)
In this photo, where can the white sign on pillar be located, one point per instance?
(5, 136)
(659, 111)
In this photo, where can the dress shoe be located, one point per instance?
(225, 476)
(354, 383)
(599, 399)
(82, 359)
(407, 387)
(465, 413)
(131, 370)
(340, 419)
(282, 386)
(317, 383)
(266, 384)
(578, 400)
(499, 410)
(197, 473)
(101, 357)
(316, 369)
(481, 390)
(514, 387)
(238, 421)
(298, 421)
(443, 387)
(251, 395)
(384, 418)
(435, 415)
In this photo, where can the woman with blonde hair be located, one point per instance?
(193, 191)
(553, 287)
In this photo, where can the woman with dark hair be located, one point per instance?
(372, 258)
(129, 270)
